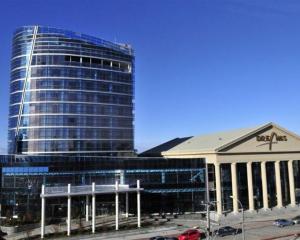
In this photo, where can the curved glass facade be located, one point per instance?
(70, 93)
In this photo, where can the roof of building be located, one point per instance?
(156, 151)
(220, 140)
(212, 142)
(122, 47)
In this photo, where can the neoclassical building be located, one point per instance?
(258, 166)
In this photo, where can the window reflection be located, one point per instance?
(78, 96)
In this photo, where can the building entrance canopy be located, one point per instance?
(89, 190)
(86, 190)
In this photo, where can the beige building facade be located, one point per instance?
(258, 166)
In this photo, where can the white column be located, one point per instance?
(43, 213)
(278, 184)
(117, 205)
(126, 202)
(250, 186)
(218, 188)
(292, 183)
(264, 185)
(87, 208)
(69, 211)
(234, 188)
(138, 203)
(93, 207)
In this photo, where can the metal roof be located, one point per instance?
(213, 142)
(83, 190)
(156, 151)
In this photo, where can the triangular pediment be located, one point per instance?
(268, 138)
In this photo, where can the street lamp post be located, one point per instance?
(243, 217)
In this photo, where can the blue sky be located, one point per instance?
(201, 66)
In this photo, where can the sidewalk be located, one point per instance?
(107, 222)
(143, 233)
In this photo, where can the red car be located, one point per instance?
(191, 234)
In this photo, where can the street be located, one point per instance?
(265, 230)
(258, 226)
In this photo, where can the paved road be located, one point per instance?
(265, 230)
(257, 227)
(254, 231)
(260, 226)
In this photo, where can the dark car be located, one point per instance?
(225, 231)
(283, 222)
(163, 238)
(2, 234)
(296, 219)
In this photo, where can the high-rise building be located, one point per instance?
(71, 122)
(70, 93)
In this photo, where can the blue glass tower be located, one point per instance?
(70, 93)
(71, 122)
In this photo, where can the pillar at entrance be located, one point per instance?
(117, 205)
(138, 203)
(234, 188)
(250, 186)
(87, 208)
(264, 185)
(43, 213)
(292, 183)
(69, 211)
(93, 207)
(278, 184)
(126, 205)
(218, 188)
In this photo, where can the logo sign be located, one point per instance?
(270, 139)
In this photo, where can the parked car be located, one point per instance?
(296, 219)
(2, 234)
(191, 234)
(163, 238)
(227, 230)
(283, 222)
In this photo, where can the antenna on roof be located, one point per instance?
(115, 40)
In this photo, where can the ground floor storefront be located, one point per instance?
(257, 185)
(170, 185)
(256, 168)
